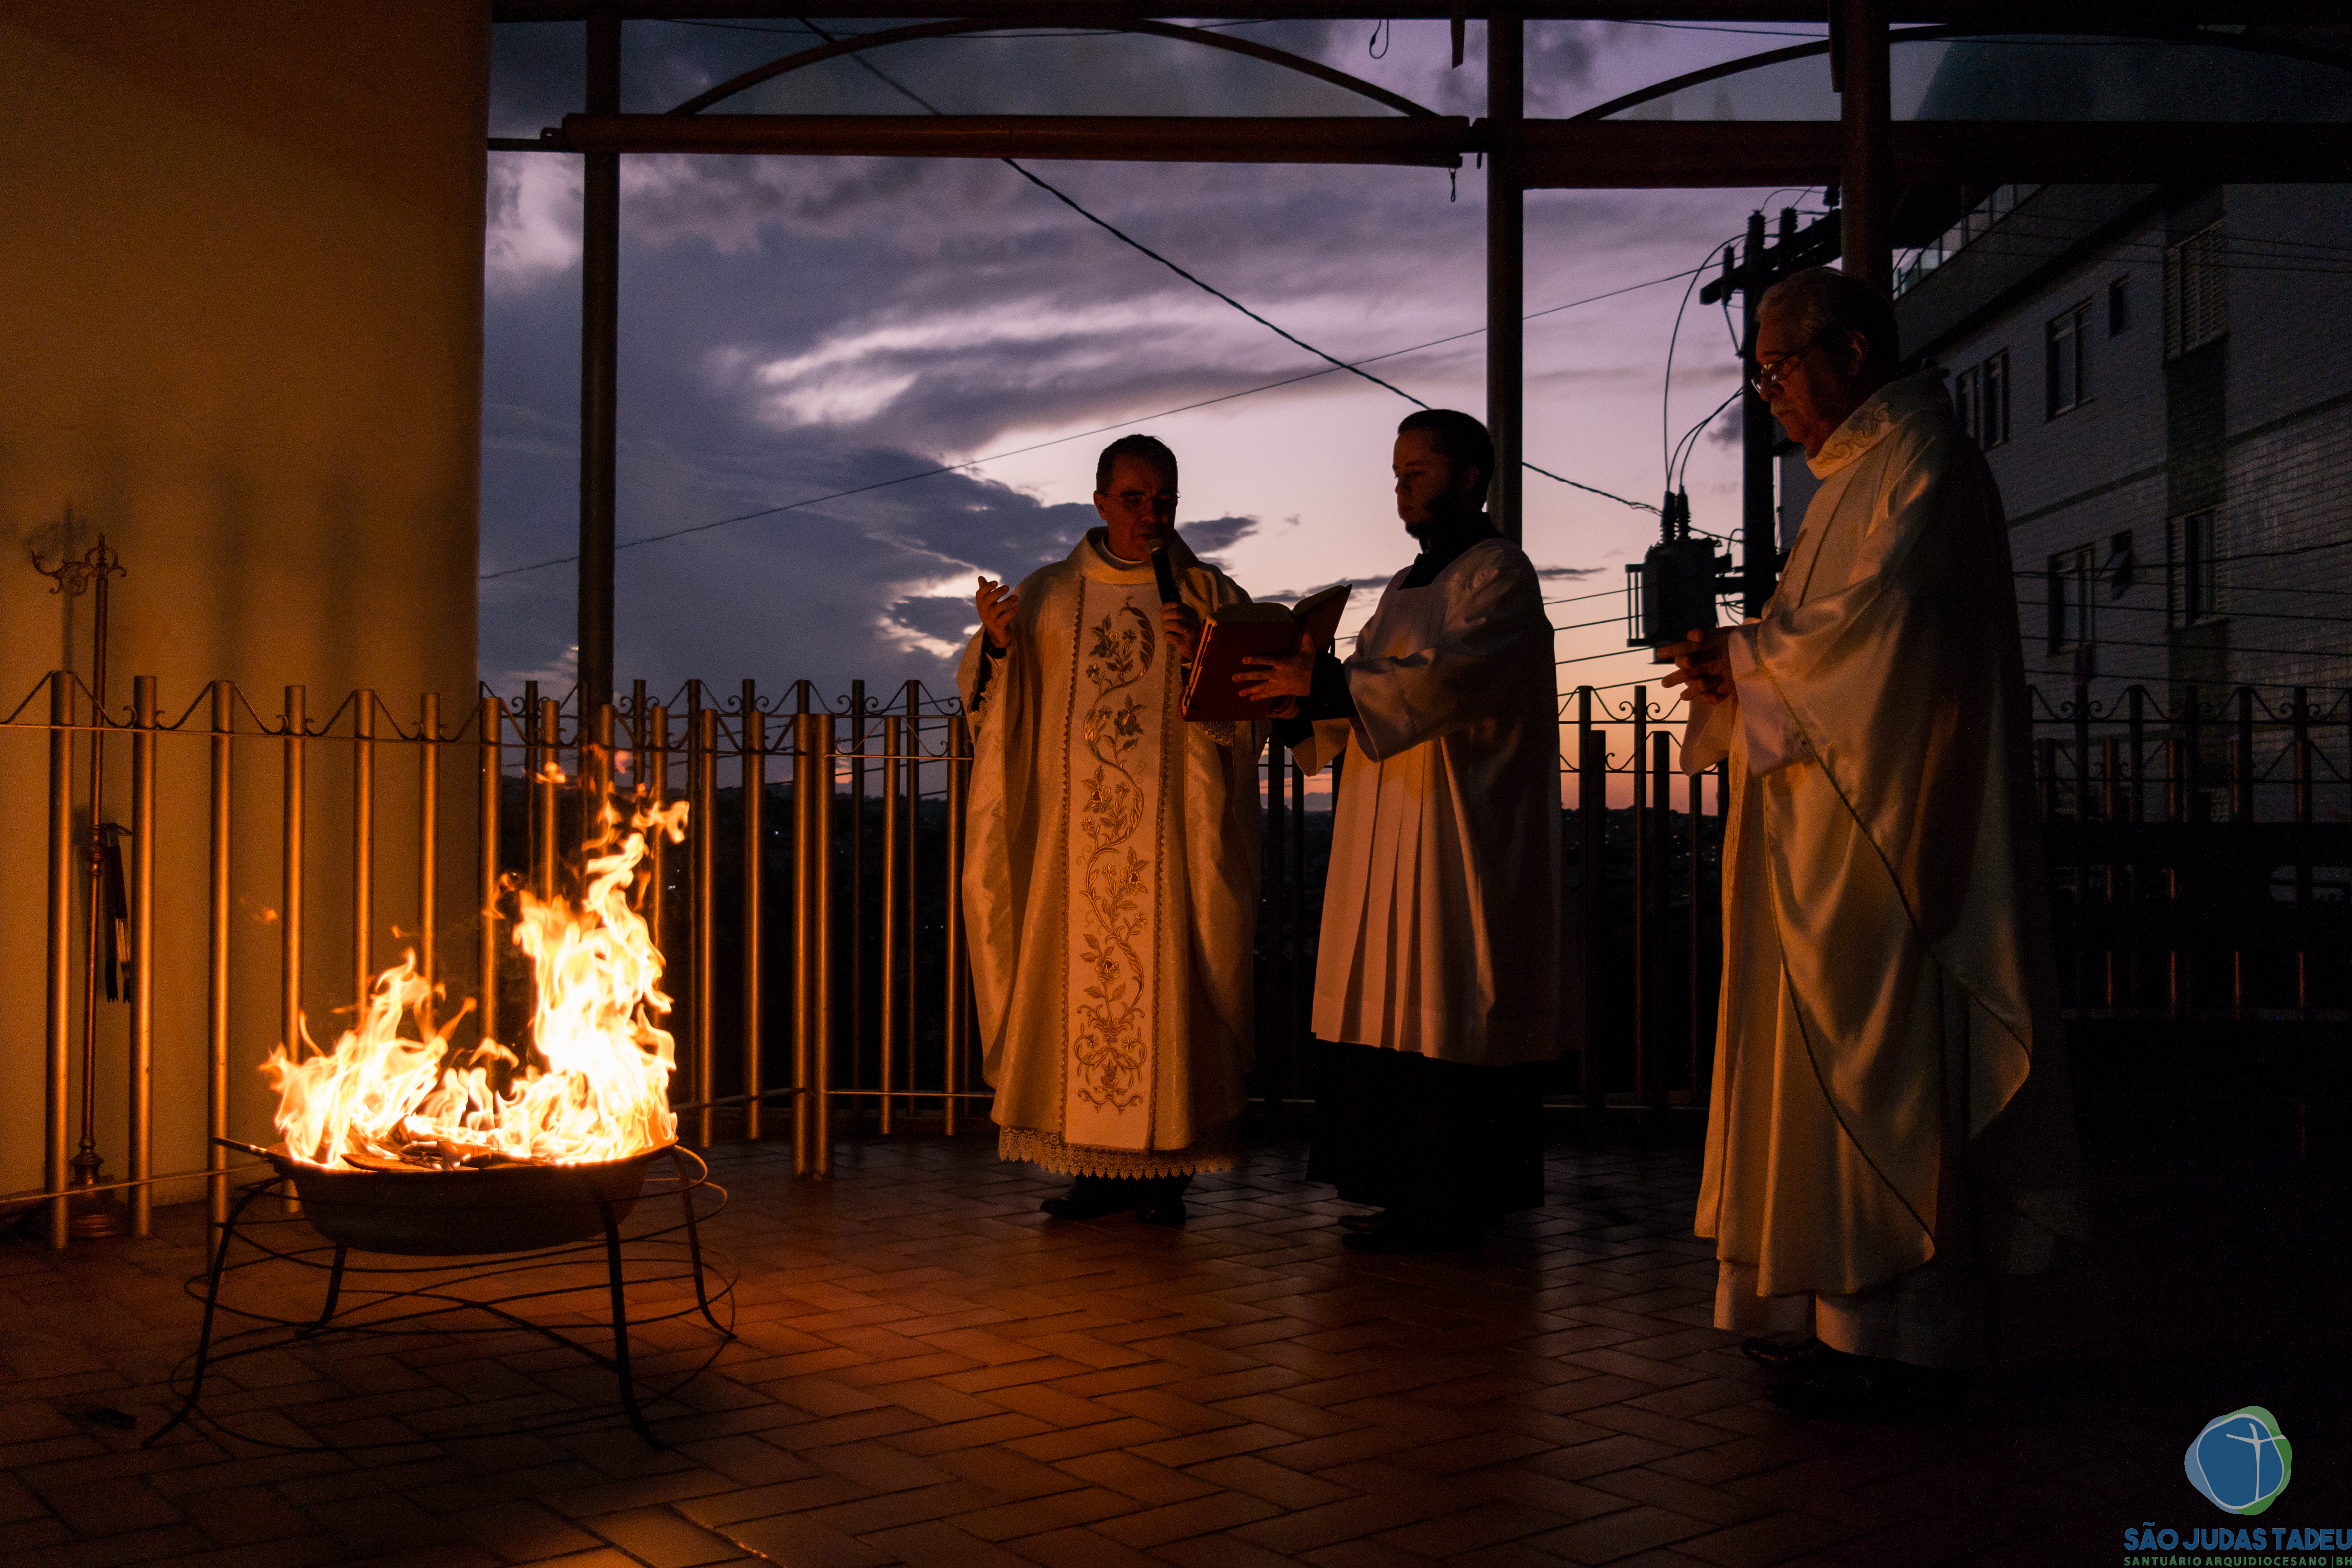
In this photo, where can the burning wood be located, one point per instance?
(595, 1086)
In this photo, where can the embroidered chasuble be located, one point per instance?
(1109, 877)
(1890, 1115)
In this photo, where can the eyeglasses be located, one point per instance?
(1762, 376)
(1137, 500)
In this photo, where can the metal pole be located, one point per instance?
(142, 951)
(1506, 262)
(909, 1005)
(543, 798)
(362, 847)
(60, 1020)
(856, 885)
(1272, 907)
(702, 769)
(290, 961)
(804, 1086)
(1662, 827)
(1637, 766)
(1760, 546)
(216, 969)
(653, 770)
(1698, 933)
(1299, 991)
(1866, 155)
(428, 836)
(754, 937)
(822, 1079)
(486, 954)
(893, 728)
(600, 314)
(1591, 820)
(956, 1015)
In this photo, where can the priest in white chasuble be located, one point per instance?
(1111, 863)
(1436, 983)
(1890, 1122)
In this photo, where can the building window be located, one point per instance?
(2196, 305)
(2074, 576)
(2123, 567)
(1980, 399)
(2193, 568)
(2068, 337)
(2118, 306)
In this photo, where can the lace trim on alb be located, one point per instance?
(1046, 1149)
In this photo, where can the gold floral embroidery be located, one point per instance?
(1109, 1050)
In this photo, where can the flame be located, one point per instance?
(595, 1088)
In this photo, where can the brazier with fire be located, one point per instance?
(397, 1144)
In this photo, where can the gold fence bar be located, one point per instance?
(820, 1084)
(216, 969)
(549, 720)
(142, 951)
(486, 956)
(701, 779)
(894, 855)
(754, 936)
(910, 1014)
(804, 1086)
(289, 953)
(428, 832)
(362, 847)
(954, 1039)
(62, 871)
(599, 767)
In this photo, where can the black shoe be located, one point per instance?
(1395, 1234)
(1784, 1353)
(1161, 1201)
(1357, 1224)
(1866, 1389)
(1094, 1197)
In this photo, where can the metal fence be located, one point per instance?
(814, 937)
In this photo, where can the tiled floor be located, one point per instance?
(928, 1372)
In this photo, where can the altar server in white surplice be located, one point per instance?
(1111, 862)
(1890, 1121)
(1436, 983)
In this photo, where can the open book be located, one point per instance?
(1239, 631)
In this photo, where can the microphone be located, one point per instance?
(1166, 576)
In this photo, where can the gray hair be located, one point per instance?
(1822, 300)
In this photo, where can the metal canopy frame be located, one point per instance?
(1863, 152)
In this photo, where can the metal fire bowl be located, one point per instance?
(459, 1213)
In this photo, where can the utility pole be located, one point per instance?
(600, 313)
(1760, 562)
(1758, 266)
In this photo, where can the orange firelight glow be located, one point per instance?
(595, 1084)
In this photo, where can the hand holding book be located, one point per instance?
(1245, 666)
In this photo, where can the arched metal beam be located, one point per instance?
(842, 47)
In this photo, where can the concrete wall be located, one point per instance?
(240, 300)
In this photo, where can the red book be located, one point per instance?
(1240, 631)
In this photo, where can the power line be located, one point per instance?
(1080, 436)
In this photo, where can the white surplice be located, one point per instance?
(1441, 914)
(1890, 1116)
(1109, 877)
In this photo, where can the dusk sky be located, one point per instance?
(793, 328)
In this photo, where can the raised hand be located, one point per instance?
(1181, 624)
(996, 602)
